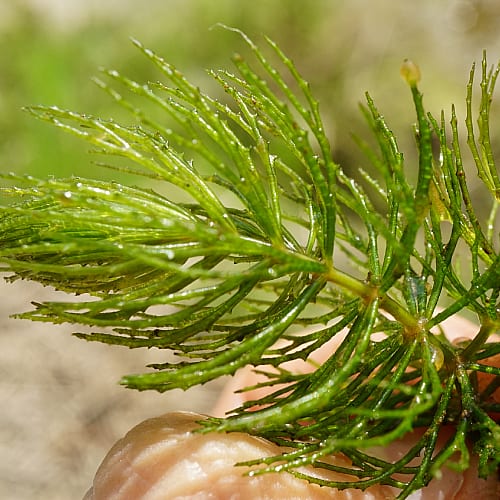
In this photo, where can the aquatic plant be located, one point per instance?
(260, 249)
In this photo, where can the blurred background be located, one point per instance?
(61, 406)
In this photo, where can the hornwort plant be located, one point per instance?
(272, 252)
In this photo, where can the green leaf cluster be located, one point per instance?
(250, 245)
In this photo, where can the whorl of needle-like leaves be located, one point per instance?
(260, 249)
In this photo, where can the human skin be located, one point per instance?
(162, 458)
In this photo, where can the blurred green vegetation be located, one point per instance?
(50, 51)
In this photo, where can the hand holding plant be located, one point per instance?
(164, 458)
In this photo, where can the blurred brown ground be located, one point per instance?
(62, 408)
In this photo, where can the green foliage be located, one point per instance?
(255, 248)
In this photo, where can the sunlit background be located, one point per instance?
(61, 407)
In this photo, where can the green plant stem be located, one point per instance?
(488, 327)
(368, 292)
